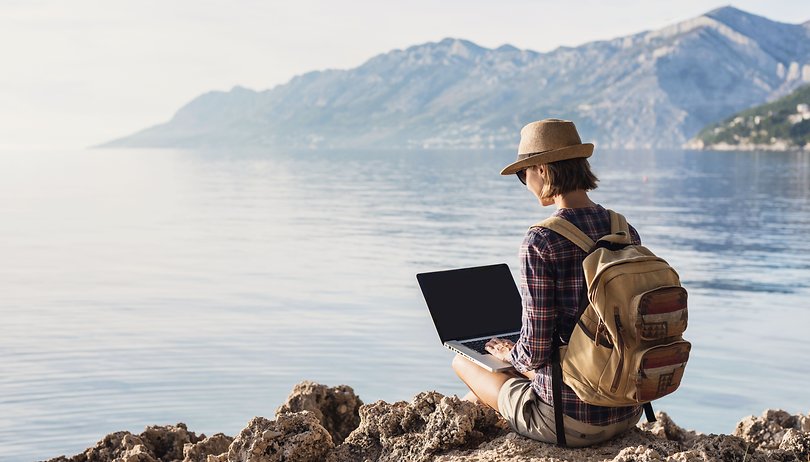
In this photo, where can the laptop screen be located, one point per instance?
(472, 302)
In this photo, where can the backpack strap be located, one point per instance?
(618, 223)
(648, 412)
(556, 395)
(569, 231)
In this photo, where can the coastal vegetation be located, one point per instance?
(779, 125)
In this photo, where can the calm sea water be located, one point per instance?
(148, 287)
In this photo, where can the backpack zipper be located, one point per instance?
(620, 342)
(595, 338)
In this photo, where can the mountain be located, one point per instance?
(780, 125)
(652, 89)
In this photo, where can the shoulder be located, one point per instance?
(542, 241)
(537, 235)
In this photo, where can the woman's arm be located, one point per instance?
(533, 348)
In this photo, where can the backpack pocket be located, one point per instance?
(658, 370)
(659, 313)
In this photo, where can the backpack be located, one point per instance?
(627, 346)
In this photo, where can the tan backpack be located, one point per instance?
(627, 346)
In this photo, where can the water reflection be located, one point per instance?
(152, 287)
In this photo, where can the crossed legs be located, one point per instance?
(483, 384)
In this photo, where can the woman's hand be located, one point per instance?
(500, 348)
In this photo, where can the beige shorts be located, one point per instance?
(529, 416)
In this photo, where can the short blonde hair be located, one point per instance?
(566, 176)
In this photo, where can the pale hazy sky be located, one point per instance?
(80, 72)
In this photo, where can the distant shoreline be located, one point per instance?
(775, 147)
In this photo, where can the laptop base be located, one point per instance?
(487, 361)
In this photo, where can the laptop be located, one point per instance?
(469, 306)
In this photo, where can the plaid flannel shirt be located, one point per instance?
(551, 280)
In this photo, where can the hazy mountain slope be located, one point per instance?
(655, 88)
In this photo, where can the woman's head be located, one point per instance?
(559, 178)
(567, 176)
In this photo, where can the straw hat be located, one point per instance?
(546, 141)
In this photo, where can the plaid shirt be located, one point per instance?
(551, 283)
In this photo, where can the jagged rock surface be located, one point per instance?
(767, 431)
(295, 437)
(665, 428)
(415, 431)
(167, 443)
(211, 446)
(434, 427)
(635, 445)
(336, 408)
(155, 444)
(797, 444)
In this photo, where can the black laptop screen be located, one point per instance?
(472, 302)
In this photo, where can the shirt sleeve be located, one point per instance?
(533, 348)
(634, 237)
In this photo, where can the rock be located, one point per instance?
(766, 432)
(155, 444)
(166, 443)
(803, 422)
(782, 418)
(796, 443)
(212, 446)
(438, 428)
(634, 445)
(637, 454)
(415, 431)
(292, 437)
(509, 447)
(139, 453)
(724, 448)
(115, 446)
(665, 428)
(336, 408)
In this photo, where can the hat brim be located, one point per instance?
(547, 157)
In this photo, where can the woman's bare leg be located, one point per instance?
(484, 384)
(470, 396)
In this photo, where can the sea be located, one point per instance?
(151, 287)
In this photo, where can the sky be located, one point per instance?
(77, 73)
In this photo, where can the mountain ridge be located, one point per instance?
(654, 88)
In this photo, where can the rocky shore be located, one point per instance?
(331, 424)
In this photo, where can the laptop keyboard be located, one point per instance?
(478, 345)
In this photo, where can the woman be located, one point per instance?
(552, 163)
